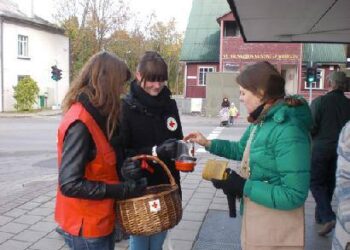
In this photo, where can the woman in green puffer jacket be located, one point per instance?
(275, 152)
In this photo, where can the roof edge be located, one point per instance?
(32, 23)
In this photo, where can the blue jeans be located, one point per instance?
(152, 242)
(323, 168)
(82, 243)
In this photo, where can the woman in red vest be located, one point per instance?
(88, 182)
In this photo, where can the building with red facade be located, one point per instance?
(213, 43)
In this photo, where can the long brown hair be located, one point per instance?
(262, 78)
(101, 79)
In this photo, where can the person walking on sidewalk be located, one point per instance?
(233, 112)
(275, 152)
(341, 238)
(330, 113)
(87, 181)
(151, 125)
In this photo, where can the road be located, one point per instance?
(28, 148)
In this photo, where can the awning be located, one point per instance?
(324, 53)
(293, 20)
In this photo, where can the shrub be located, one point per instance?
(26, 94)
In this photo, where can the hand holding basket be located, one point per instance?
(159, 209)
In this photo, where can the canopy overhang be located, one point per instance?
(326, 21)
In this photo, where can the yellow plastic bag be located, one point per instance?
(214, 169)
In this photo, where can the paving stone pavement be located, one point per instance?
(26, 218)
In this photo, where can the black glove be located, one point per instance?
(232, 185)
(131, 170)
(167, 150)
(231, 200)
(134, 188)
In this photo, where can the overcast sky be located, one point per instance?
(164, 9)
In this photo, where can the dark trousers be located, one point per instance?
(323, 168)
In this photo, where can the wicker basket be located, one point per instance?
(157, 210)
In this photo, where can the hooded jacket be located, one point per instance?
(279, 156)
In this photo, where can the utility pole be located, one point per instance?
(311, 66)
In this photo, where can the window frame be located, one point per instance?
(235, 29)
(202, 81)
(22, 46)
(20, 77)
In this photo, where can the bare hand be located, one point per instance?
(198, 138)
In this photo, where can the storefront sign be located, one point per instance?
(261, 56)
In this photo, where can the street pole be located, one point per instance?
(57, 104)
(311, 65)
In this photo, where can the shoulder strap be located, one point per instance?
(133, 104)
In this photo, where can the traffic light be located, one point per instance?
(59, 74)
(311, 75)
(53, 73)
(56, 73)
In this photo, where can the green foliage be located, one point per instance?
(94, 25)
(26, 94)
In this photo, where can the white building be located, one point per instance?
(29, 46)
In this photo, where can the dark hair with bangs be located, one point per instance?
(152, 67)
(262, 78)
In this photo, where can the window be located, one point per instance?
(318, 84)
(230, 67)
(231, 28)
(22, 46)
(20, 77)
(203, 74)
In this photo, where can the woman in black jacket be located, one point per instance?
(151, 125)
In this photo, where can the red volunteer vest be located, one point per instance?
(89, 218)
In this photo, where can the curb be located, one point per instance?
(24, 115)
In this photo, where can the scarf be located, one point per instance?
(154, 104)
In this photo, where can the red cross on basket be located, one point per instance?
(155, 205)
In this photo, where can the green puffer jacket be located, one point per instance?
(279, 156)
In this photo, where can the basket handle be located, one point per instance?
(160, 162)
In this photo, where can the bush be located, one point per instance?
(26, 94)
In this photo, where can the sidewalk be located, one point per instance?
(26, 218)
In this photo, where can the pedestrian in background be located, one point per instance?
(330, 112)
(225, 103)
(88, 183)
(233, 112)
(341, 238)
(275, 152)
(151, 125)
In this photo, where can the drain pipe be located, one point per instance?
(2, 64)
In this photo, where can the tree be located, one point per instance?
(88, 24)
(94, 25)
(26, 94)
(165, 39)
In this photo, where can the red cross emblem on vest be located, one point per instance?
(171, 123)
